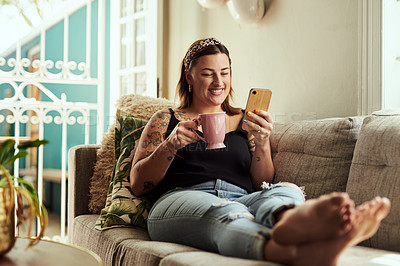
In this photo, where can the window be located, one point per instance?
(390, 54)
(134, 57)
(379, 78)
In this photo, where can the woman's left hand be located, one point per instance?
(261, 125)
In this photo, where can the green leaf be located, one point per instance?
(32, 144)
(27, 20)
(7, 150)
(12, 159)
(27, 187)
(3, 182)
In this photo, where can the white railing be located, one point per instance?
(19, 109)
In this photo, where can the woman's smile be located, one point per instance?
(216, 92)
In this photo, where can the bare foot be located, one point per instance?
(323, 218)
(368, 217)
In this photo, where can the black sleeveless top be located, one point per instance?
(198, 165)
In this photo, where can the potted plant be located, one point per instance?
(12, 187)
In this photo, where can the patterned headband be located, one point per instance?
(197, 47)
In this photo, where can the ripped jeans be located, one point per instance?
(220, 217)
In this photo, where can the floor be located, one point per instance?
(53, 228)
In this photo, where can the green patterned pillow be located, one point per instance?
(122, 208)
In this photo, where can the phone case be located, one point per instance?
(258, 99)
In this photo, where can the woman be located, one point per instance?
(214, 199)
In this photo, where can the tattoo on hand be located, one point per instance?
(148, 185)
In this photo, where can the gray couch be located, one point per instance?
(359, 155)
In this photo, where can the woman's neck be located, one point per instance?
(197, 109)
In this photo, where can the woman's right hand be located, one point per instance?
(182, 135)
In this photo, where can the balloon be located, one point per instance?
(211, 3)
(246, 11)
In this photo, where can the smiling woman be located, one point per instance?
(222, 199)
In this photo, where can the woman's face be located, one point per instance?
(210, 79)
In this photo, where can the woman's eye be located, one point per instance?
(207, 74)
(225, 73)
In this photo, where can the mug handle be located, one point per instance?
(198, 122)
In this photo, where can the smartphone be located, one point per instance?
(258, 99)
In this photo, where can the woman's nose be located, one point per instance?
(217, 80)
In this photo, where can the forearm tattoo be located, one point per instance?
(252, 144)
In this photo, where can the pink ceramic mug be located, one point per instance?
(213, 125)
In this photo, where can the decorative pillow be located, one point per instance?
(133, 104)
(122, 208)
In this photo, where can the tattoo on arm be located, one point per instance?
(155, 138)
(161, 117)
(252, 144)
(258, 159)
(148, 185)
(182, 116)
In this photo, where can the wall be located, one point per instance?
(305, 51)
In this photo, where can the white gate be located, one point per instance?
(20, 110)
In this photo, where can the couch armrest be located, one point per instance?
(81, 162)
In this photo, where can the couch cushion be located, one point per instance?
(121, 246)
(354, 256)
(376, 169)
(103, 243)
(202, 258)
(315, 154)
(147, 252)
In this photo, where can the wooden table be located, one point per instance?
(49, 253)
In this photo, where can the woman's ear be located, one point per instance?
(188, 77)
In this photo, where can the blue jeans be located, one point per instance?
(220, 217)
